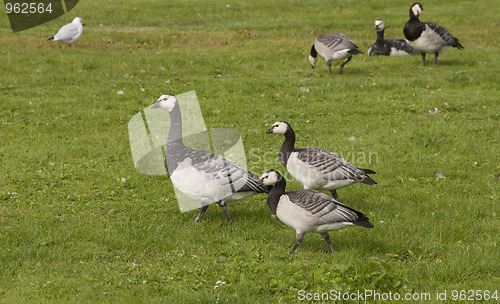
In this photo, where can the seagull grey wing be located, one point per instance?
(67, 32)
(330, 164)
(320, 205)
(443, 33)
(336, 41)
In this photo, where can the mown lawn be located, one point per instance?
(79, 224)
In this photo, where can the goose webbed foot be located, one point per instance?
(327, 239)
(343, 64)
(298, 240)
(202, 211)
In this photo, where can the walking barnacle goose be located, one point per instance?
(309, 211)
(316, 168)
(333, 46)
(201, 175)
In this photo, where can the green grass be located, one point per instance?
(72, 231)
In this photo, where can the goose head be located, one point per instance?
(279, 127)
(416, 9)
(312, 60)
(166, 101)
(270, 177)
(379, 26)
(78, 20)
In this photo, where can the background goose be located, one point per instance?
(309, 211)
(428, 37)
(317, 168)
(70, 32)
(333, 46)
(201, 175)
(389, 47)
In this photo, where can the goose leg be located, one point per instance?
(342, 65)
(223, 205)
(330, 67)
(423, 58)
(327, 239)
(436, 58)
(202, 211)
(298, 238)
(334, 194)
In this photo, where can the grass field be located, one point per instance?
(72, 231)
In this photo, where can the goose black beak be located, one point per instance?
(270, 131)
(156, 105)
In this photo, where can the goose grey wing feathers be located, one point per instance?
(444, 34)
(322, 206)
(232, 177)
(333, 166)
(336, 41)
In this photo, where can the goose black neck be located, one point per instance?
(175, 132)
(288, 146)
(314, 54)
(380, 36)
(275, 194)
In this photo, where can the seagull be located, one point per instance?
(70, 32)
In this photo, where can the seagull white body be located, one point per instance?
(309, 211)
(201, 175)
(317, 168)
(70, 32)
(428, 37)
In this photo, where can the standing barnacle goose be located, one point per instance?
(428, 37)
(389, 47)
(316, 168)
(309, 211)
(333, 46)
(201, 175)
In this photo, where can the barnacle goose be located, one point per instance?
(70, 32)
(309, 211)
(316, 168)
(333, 46)
(389, 47)
(428, 37)
(201, 175)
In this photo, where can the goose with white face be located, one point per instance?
(379, 25)
(166, 101)
(279, 127)
(417, 9)
(270, 178)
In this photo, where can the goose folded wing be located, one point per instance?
(337, 41)
(330, 164)
(442, 32)
(229, 175)
(323, 207)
